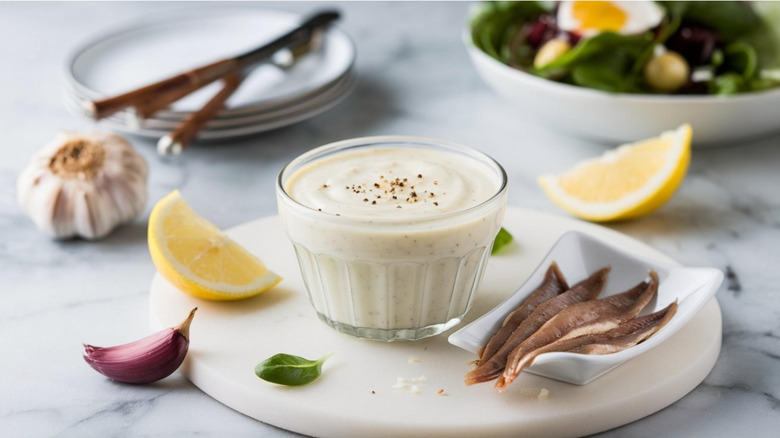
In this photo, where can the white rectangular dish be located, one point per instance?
(578, 255)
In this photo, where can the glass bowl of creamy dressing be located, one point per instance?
(392, 233)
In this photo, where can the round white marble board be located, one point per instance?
(355, 396)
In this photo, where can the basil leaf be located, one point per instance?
(503, 238)
(289, 370)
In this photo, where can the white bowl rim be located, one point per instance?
(590, 92)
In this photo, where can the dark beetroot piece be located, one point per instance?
(695, 44)
(542, 29)
(545, 28)
(574, 38)
(692, 87)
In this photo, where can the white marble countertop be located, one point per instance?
(414, 78)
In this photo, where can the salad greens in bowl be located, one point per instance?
(696, 47)
(623, 71)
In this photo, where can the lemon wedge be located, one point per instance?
(194, 255)
(624, 183)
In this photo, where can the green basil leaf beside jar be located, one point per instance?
(289, 370)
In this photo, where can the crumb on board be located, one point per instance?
(414, 360)
(403, 381)
(410, 384)
(538, 393)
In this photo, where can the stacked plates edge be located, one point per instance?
(270, 97)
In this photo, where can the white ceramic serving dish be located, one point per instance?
(341, 402)
(578, 256)
(620, 117)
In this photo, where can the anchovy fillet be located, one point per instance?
(583, 291)
(553, 285)
(582, 319)
(624, 336)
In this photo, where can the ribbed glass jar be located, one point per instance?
(392, 278)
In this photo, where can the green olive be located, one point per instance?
(667, 72)
(550, 51)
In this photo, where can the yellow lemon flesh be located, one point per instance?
(194, 255)
(627, 182)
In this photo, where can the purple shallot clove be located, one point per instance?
(146, 360)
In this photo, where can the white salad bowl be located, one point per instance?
(578, 255)
(621, 117)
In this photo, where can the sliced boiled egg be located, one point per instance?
(588, 18)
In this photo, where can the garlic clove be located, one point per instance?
(146, 360)
(83, 185)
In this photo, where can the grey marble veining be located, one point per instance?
(414, 78)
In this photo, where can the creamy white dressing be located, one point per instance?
(398, 183)
(403, 279)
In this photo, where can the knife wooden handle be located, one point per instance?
(162, 93)
(179, 139)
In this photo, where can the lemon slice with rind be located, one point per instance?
(624, 183)
(196, 257)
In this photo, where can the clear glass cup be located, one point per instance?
(381, 278)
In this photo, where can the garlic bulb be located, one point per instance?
(83, 185)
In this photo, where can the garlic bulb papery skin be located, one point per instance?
(83, 185)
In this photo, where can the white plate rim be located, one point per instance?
(230, 132)
(157, 20)
(218, 123)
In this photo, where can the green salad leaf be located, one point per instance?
(289, 370)
(675, 8)
(755, 56)
(608, 72)
(727, 84)
(741, 58)
(497, 22)
(765, 38)
(671, 24)
(601, 44)
(768, 79)
(503, 238)
(717, 58)
(731, 19)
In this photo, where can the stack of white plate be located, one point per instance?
(270, 97)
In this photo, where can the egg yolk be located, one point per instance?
(602, 16)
